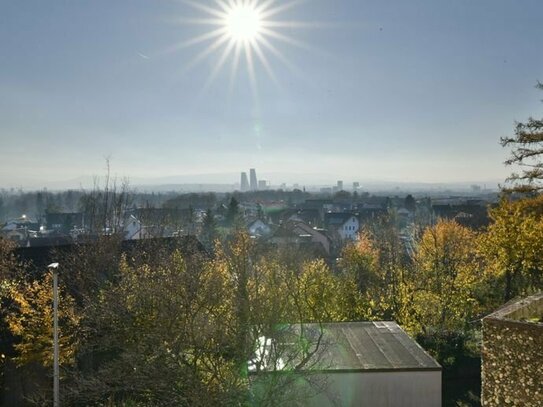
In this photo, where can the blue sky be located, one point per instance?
(417, 91)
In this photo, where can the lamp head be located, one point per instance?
(53, 266)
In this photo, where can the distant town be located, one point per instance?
(325, 218)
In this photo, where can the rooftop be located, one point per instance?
(373, 346)
(362, 347)
(337, 218)
(526, 310)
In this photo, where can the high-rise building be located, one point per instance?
(254, 182)
(244, 182)
(262, 185)
(340, 185)
(356, 185)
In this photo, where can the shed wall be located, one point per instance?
(365, 389)
(384, 389)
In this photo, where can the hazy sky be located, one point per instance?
(393, 90)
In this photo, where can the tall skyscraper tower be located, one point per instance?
(254, 182)
(244, 182)
(340, 185)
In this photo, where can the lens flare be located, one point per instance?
(242, 30)
(243, 23)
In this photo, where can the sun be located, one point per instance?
(242, 32)
(243, 23)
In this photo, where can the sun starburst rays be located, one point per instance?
(242, 30)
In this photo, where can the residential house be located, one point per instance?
(300, 235)
(471, 214)
(148, 222)
(20, 230)
(135, 229)
(345, 224)
(63, 222)
(370, 212)
(321, 205)
(312, 217)
(318, 236)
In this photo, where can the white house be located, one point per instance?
(345, 224)
(133, 228)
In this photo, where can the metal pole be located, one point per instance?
(56, 375)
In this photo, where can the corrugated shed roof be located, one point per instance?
(376, 345)
(365, 346)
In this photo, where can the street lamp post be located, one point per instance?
(54, 268)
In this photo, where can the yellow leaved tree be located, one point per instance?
(512, 248)
(442, 291)
(30, 320)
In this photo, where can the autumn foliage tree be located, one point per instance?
(393, 262)
(177, 330)
(360, 258)
(30, 319)
(438, 288)
(160, 335)
(512, 248)
(442, 292)
(8, 269)
(527, 153)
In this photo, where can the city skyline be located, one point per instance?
(396, 92)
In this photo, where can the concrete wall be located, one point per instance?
(512, 369)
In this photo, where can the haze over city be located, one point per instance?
(241, 203)
(417, 91)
